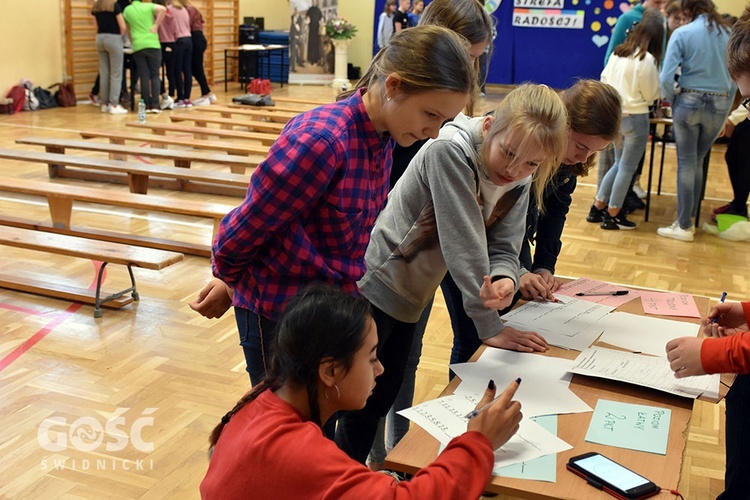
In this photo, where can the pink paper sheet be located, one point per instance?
(669, 304)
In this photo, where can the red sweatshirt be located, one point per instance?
(267, 450)
(728, 354)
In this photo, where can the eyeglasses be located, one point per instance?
(746, 103)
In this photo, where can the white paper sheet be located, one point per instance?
(544, 387)
(572, 325)
(444, 418)
(643, 334)
(648, 371)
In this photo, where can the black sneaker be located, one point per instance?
(596, 215)
(619, 221)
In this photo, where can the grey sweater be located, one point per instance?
(445, 215)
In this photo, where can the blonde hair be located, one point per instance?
(103, 6)
(425, 58)
(535, 113)
(178, 4)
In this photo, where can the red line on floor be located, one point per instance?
(56, 321)
(26, 310)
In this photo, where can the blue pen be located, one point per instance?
(474, 413)
(721, 300)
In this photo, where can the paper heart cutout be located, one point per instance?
(611, 21)
(600, 40)
(625, 6)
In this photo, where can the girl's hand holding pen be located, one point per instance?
(726, 318)
(498, 420)
(538, 286)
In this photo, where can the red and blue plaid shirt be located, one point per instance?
(309, 209)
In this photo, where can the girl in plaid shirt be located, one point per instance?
(313, 201)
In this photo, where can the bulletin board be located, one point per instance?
(554, 42)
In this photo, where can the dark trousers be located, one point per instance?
(167, 58)
(737, 432)
(148, 62)
(738, 164)
(199, 48)
(183, 76)
(356, 430)
(256, 333)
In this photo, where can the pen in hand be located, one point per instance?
(721, 301)
(474, 413)
(614, 292)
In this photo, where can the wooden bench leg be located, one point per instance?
(118, 156)
(99, 301)
(237, 169)
(182, 163)
(60, 209)
(138, 183)
(54, 170)
(199, 136)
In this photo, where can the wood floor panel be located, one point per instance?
(158, 353)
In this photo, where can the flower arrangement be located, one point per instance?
(340, 29)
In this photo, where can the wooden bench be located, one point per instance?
(181, 158)
(203, 119)
(267, 113)
(203, 132)
(107, 253)
(138, 175)
(293, 100)
(162, 141)
(288, 109)
(60, 198)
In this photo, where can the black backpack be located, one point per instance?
(45, 98)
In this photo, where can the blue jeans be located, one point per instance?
(736, 478)
(616, 182)
(256, 333)
(396, 425)
(698, 119)
(606, 160)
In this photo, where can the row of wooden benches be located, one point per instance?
(60, 237)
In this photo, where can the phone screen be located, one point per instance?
(611, 472)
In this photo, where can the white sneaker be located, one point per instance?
(202, 101)
(211, 97)
(676, 232)
(105, 108)
(167, 102)
(117, 110)
(154, 111)
(639, 192)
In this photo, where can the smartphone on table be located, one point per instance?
(606, 474)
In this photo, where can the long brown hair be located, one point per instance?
(738, 48)
(103, 6)
(320, 322)
(594, 108)
(648, 36)
(695, 8)
(469, 19)
(415, 54)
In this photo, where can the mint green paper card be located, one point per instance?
(540, 469)
(636, 427)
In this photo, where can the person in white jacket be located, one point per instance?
(633, 71)
(385, 23)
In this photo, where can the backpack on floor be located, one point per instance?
(45, 98)
(18, 94)
(66, 95)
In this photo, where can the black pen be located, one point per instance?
(616, 292)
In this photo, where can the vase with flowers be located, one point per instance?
(341, 32)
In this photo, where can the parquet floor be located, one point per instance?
(169, 374)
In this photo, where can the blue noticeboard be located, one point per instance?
(556, 56)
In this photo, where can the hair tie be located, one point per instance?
(225, 418)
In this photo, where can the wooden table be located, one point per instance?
(418, 448)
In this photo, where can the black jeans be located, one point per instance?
(737, 434)
(167, 58)
(199, 48)
(356, 430)
(183, 76)
(738, 164)
(148, 62)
